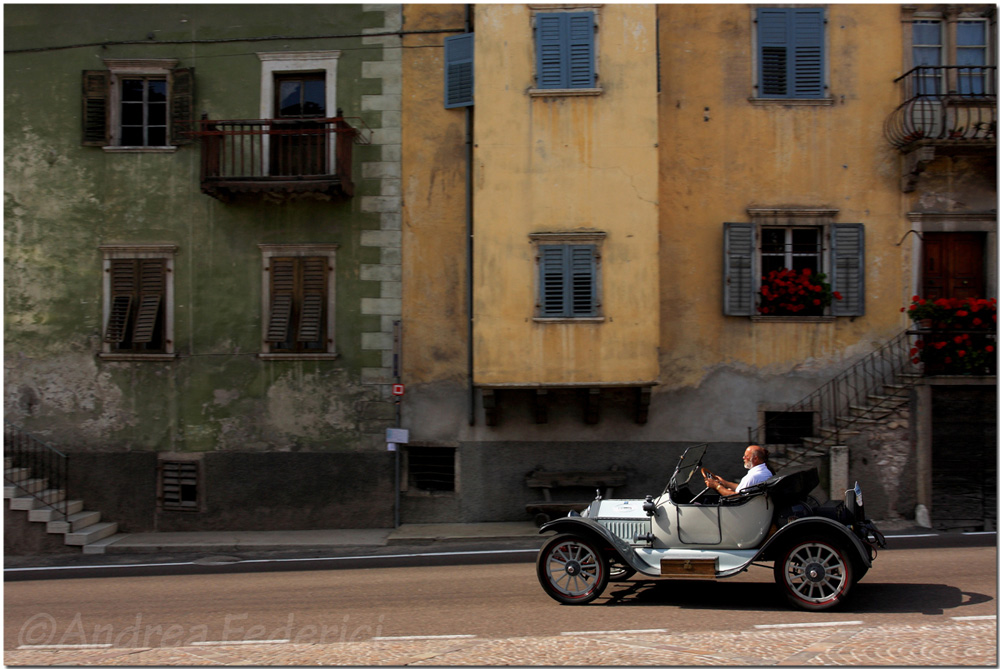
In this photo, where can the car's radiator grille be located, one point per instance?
(626, 529)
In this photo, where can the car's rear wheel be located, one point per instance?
(572, 569)
(814, 574)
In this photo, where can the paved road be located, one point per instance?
(928, 606)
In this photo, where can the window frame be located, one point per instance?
(593, 240)
(824, 97)
(949, 47)
(165, 252)
(540, 12)
(273, 251)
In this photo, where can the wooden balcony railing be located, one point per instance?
(278, 157)
(955, 105)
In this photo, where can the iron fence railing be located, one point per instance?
(43, 462)
(953, 103)
(836, 403)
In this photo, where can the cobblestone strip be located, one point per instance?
(945, 643)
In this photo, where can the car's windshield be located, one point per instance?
(687, 466)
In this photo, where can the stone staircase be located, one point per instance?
(45, 503)
(863, 397)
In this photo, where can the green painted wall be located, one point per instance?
(63, 200)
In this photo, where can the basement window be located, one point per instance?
(180, 488)
(787, 427)
(431, 468)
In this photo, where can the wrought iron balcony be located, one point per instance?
(277, 157)
(945, 106)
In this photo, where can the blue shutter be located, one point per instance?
(552, 285)
(583, 284)
(459, 71)
(772, 52)
(550, 44)
(807, 57)
(739, 264)
(847, 275)
(790, 52)
(581, 50)
(564, 47)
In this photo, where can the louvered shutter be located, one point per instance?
(123, 288)
(740, 260)
(582, 280)
(580, 68)
(790, 52)
(807, 30)
(152, 289)
(848, 271)
(550, 43)
(553, 288)
(564, 46)
(459, 71)
(96, 95)
(181, 105)
(282, 297)
(314, 273)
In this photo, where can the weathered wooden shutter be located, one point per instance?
(808, 40)
(314, 279)
(790, 51)
(580, 28)
(181, 105)
(847, 242)
(96, 96)
(179, 485)
(564, 46)
(740, 260)
(459, 71)
(282, 298)
(553, 288)
(152, 291)
(583, 284)
(124, 282)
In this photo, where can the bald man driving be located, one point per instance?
(754, 459)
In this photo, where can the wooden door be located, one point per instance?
(953, 264)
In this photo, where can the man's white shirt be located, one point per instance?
(757, 474)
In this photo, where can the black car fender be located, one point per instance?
(814, 526)
(591, 529)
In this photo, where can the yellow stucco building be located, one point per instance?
(605, 206)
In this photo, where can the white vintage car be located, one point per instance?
(818, 551)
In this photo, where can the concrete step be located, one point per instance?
(75, 523)
(29, 502)
(894, 401)
(16, 474)
(8, 462)
(25, 486)
(46, 513)
(89, 535)
(100, 547)
(871, 412)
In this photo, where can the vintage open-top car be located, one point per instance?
(819, 551)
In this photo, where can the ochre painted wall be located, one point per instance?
(557, 164)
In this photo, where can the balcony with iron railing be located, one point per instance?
(945, 106)
(279, 158)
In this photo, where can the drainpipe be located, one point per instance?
(469, 239)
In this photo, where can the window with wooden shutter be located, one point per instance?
(740, 269)
(564, 50)
(137, 292)
(180, 485)
(138, 104)
(791, 52)
(459, 71)
(298, 308)
(567, 281)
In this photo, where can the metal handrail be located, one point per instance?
(945, 103)
(44, 461)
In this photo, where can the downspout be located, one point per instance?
(469, 240)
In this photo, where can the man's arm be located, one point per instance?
(719, 484)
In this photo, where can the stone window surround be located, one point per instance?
(123, 67)
(130, 251)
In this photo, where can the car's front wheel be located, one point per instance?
(814, 574)
(572, 569)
